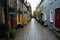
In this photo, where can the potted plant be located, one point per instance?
(12, 33)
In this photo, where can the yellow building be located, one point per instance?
(25, 19)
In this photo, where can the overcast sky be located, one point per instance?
(34, 3)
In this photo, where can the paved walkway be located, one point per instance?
(35, 31)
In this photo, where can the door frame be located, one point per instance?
(12, 21)
(55, 18)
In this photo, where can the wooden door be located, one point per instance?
(57, 18)
(18, 19)
(11, 22)
(25, 19)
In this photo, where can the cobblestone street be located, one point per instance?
(35, 31)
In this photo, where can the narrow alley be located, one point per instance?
(29, 19)
(35, 31)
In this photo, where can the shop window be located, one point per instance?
(51, 16)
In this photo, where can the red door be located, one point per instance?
(57, 18)
(11, 22)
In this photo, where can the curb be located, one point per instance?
(56, 33)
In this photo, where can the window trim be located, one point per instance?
(51, 16)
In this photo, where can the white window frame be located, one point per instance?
(51, 15)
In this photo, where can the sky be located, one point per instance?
(34, 3)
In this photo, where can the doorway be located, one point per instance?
(57, 18)
(11, 21)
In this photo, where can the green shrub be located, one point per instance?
(12, 33)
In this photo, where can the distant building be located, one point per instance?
(29, 11)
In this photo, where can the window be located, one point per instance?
(11, 3)
(51, 1)
(3, 16)
(45, 17)
(51, 16)
(44, 5)
(18, 18)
